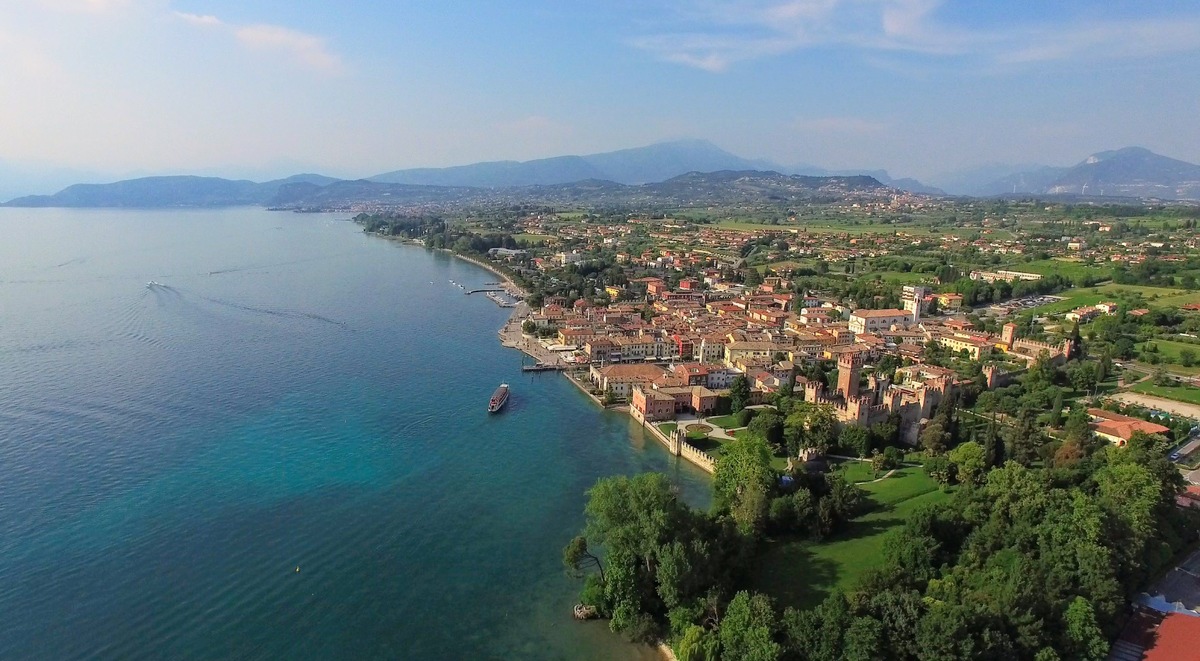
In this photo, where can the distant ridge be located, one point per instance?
(1130, 172)
(640, 165)
(657, 163)
(169, 191)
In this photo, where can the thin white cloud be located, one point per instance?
(199, 20)
(715, 36)
(308, 50)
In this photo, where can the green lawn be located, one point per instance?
(802, 573)
(855, 471)
(1181, 393)
(667, 427)
(708, 444)
(1170, 349)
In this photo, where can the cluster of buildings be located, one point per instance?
(684, 355)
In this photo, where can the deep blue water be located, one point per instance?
(296, 395)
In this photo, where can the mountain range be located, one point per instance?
(1129, 172)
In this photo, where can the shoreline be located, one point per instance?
(512, 337)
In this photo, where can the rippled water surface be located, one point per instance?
(282, 450)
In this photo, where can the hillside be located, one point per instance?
(727, 187)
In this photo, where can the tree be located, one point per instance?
(768, 426)
(638, 520)
(810, 426)
(969, 460)
(1024, 440)
(940, 469)
(739, 393)
(698, 644)
(878, 462)
(1082, 376)
(576, 556)
(863, 640)
(1078, 428)
(747, 631)
(935, 439)
(1082, 637)
(1187, 357)
(529, 327)
(1056, 411)
(855, 439)
(741, 482)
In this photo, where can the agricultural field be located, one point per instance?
(1063, 267)
(1152, 296)
(823, 227)
(532, 238)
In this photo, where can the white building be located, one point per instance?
(870, 321)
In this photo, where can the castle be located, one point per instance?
(913, 402)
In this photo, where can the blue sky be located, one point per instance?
(353, 88)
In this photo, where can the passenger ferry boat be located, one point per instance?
(499, 398)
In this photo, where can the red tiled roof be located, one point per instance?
(1177, 638)
(1123, 426)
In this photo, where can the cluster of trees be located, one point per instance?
(1042, 389)
(1157, 272)
(411, 226)
(1024, 563)
(663, 563)
(753, 495)
(659, 569)
(978, 292)
(1020, 562)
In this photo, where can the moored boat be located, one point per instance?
(499, 398)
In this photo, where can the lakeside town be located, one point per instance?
(905, 345)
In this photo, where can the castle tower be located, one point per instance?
(1008, 334)
(992, 375)
(849, 368)
(812, 391)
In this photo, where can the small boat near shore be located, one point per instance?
(499, 398)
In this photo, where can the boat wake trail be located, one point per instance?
(259, 267)
(286, 314)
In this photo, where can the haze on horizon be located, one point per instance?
(105, 89)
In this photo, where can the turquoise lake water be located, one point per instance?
(297, 395)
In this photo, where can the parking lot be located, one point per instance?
(1023, 303)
